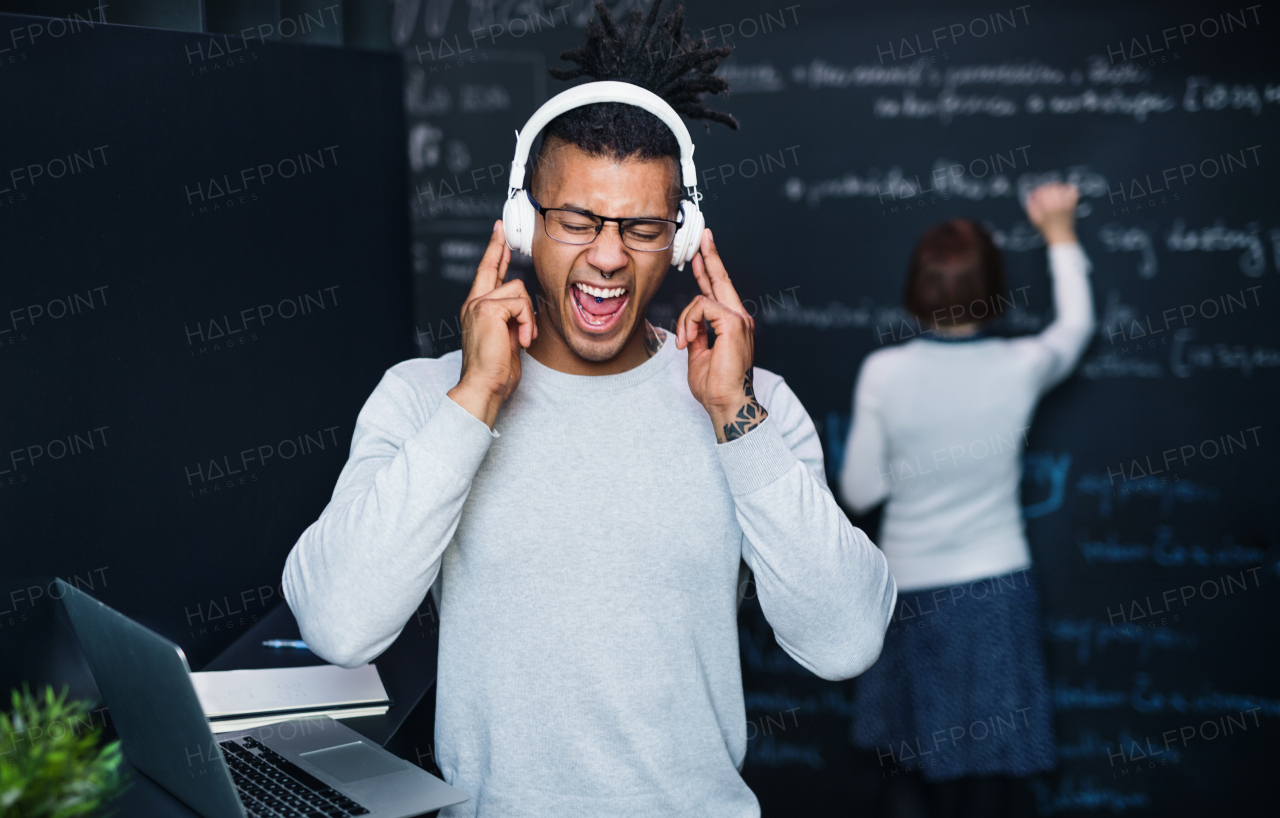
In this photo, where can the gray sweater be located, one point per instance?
(588, 553)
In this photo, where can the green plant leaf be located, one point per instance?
(51, 765)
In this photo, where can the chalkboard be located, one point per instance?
(1149, 487)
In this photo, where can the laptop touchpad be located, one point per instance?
(354, 762)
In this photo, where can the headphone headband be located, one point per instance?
(605, 91)
(518, 216)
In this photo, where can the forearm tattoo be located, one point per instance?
(750, 415)
(653, 339)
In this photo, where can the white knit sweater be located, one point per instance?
(939, 427)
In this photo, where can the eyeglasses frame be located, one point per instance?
(542, 211)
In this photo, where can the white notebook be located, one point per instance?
(243, 699)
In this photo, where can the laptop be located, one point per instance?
(311, 767)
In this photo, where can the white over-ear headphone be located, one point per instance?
(518, 216)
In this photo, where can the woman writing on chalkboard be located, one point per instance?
(959, 694)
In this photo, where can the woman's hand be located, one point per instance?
(1052, 209)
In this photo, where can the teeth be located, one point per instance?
(596, 292)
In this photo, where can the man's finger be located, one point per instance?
(700, 276)
(687, 328)
(725, 321)
(504, 263)
(509, 289)
(691, 333)
(722, 289)
(681, 341)
(519, 309)
(514, 288)
(522, 312)
(493, 265)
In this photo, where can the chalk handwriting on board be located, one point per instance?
(1007, 74)
(1143, 699)
(1103, 73)
(1046, 469)
(1218, 238)
(1090, 745)
(483, 98)
(404, 13)
(918, 74)
(1019, 238)
(1200, 93)
(1110, 365)
(821, 74)
(948, 105)
(1115, 314)
(1139, 105)
(419, 101)
(751, 79)
(1166, 551)
(836, 315)
(944, 107)
(1092, 184)
(1170, 492)
(1186, 359)
(404, 16)
(424, 146)
(1120, 239)
(772, 753)
(1088, 634)
(1084, 795)
(1203, 95)
(979, 178)
(456, 156)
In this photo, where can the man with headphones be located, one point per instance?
(584, 493)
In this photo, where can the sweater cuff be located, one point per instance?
(456, 438)
(1060, 253)
(756, 459)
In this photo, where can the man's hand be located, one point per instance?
(720, 376)
(1052, 209)
(497, 320)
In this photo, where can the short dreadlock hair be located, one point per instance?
(656, 55)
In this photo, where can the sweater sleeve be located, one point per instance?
(823, 585)
(1064, 341)
(357, 574)
(866, 454)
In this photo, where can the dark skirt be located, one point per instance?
(960, 687)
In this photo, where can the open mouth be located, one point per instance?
(598, 308)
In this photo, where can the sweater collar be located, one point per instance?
(595, 384)
(938, 337)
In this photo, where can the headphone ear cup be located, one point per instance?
(518, 218)
(689, 236)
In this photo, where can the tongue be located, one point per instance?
(605, 306)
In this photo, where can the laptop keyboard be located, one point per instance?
(271, 786)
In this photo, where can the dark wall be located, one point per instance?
(205, 274)
(816, 203)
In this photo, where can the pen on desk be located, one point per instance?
(285, 643)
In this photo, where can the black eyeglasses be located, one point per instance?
(575, 227)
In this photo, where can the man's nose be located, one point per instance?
(607, 253)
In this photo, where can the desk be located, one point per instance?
(407, 668)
